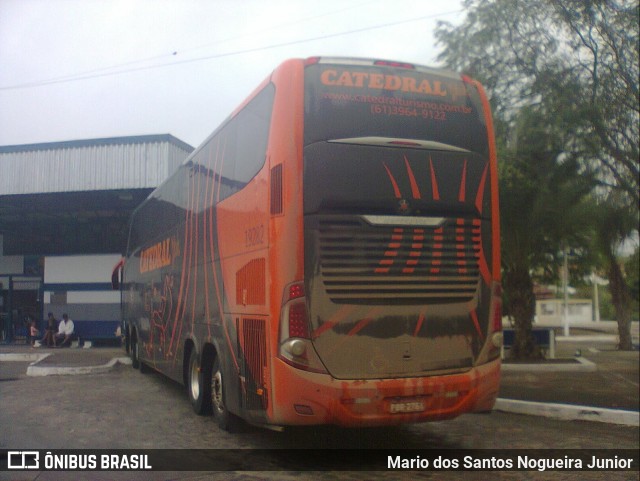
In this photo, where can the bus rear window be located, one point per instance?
(350, 101)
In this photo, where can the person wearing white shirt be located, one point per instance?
(65, 330)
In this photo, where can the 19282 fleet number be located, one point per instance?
(254, 236)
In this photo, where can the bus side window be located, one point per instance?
(252, 135)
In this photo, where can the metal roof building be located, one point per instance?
(89, 165)
(64, 213)
(75, 196)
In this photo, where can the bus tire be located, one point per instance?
(135, 353)
(199, 385)
(127, 342)
(226, 420)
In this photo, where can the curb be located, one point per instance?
(23, 356)
(582, 365)
(35, 370)
(588, 338)
(569, 412)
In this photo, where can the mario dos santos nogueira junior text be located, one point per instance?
(520, 462)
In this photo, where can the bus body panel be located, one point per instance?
(309, 398)
(285, 201)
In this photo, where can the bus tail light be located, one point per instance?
(296, 348)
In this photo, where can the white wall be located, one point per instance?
(551, 311)
(76, 285)
(79, 269)
(88, 297)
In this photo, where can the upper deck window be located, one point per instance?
(343, 101)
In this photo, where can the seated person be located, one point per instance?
(33, 333)
(65, 331)
(50, 330)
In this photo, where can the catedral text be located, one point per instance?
(378, 81)
(157, 256)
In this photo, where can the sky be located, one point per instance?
(84, 69)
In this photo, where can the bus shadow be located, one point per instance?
(327, 437)
(334, 437)
(330, 448)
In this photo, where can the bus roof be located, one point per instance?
(384, 63)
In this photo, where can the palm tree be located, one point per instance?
(613, 224)
(541, 205)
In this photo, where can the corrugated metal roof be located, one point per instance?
(89, 165)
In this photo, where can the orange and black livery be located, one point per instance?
(329, 255)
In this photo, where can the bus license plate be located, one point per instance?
(409, 406)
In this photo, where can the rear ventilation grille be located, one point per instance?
(250, 283)
(363, 264)
(255, 363)
(276, 190)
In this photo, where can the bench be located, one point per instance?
(545, 338)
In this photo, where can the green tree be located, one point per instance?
(574, 63)
(541, 204)
(604, 68)
(580, 57)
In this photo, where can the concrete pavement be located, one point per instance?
(589, 379)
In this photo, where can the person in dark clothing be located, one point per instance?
(49, 331)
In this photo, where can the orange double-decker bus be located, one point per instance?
(329, 255)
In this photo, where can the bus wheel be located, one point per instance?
(127, 345)
(225, 419)
(199, 385)
(135, 354)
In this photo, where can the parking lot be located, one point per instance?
(120, 408)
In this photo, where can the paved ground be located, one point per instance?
(103, 409)
(612, 383)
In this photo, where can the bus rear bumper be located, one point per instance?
(307, 398)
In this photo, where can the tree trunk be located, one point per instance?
(522, 306)
(621, 302)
